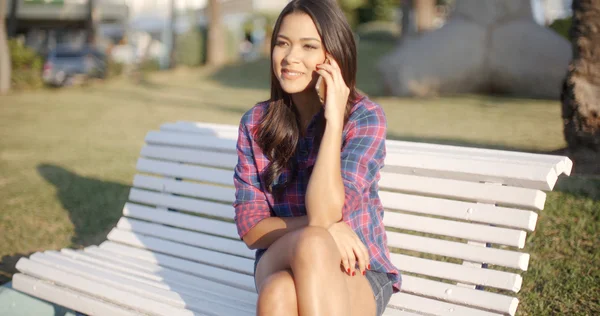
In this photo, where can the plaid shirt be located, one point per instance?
(362, 153)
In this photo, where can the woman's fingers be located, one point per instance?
(335, 73)
(327, 76)
(362, 256)
(351, 260)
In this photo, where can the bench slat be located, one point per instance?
(190, 141)
(505, 258)
(176, 219)
(457, 272)
(404, 221)
(468, 211)
(460, 295)
(468, 169)
(529, 170)
(396, 312)
(434, 307)
(205, 241)
(69, 298)
(179, 296)
(193, 156)
(561, 164)
(217, 259)
(100, 290)
(477, 232)
(181, 203)
(158, 263)
(169, 169)
(398, 201)
(477, 192)
(199, 190)
(468, 231)
(163, 277)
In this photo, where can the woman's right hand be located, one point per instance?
(351, 248)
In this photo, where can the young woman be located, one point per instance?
(306, 179)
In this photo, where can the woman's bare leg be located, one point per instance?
(278, 295)
(322, 288)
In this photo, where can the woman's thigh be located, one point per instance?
(282, 252)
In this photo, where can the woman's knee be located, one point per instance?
(277, 295)
(315, 244)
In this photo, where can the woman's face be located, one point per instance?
(297, 52)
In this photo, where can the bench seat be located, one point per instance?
(457, 220)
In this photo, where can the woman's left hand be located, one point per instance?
(337, 94)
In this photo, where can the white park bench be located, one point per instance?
(458, 216)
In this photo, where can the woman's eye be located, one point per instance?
(310, 47)
(281, 43)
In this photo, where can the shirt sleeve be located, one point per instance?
(250, 204)
(363, 155)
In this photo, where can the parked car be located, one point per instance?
(65, 65)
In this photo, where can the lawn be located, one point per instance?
(67, 158)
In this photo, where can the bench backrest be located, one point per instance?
(457, 218)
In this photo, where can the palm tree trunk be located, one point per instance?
(5, 65)
(581, 90)
(216, 37)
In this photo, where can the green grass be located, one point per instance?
(67, 158)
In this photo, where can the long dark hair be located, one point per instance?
(279, 129)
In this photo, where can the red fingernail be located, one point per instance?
(353, 273)
(369, 266)
(348, 270)
(364, 272)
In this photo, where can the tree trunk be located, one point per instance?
(425, 14)
(5, 66)
(581, 89)
(173, 34)
(91, 21)
(12, 19)
(216, 55)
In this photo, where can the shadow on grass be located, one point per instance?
(249, 75)
(176, 101)
(94, 208)
(8, 266)
(94, 205)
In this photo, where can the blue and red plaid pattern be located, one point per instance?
(362, 153)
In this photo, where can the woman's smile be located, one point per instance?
(289, 74)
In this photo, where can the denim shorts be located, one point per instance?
(382, 289)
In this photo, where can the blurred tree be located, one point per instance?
(425, 14)
(91, 21)
(173, 34)
(378, 10)
(216, 55)
(5, 67)
(350, 8)
(581, 89)
(12, 19)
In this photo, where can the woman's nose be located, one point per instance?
(292, 56)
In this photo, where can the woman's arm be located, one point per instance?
(325, 193)
(325, 196)
(267, 231)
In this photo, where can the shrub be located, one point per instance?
(26, 66)
(562, 27)
(378, 31)
(191, 48)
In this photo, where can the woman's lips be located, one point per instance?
(290, 74)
